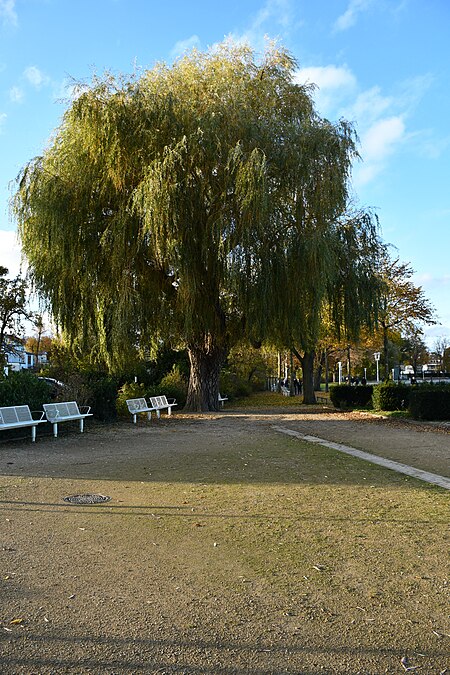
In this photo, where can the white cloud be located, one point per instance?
(380, 139)
(368, 106)
(36, 77)
(380, 119)
(326, 77)
(334, 84)
(16, 94)
(183, 46)
(350, 16)
(274, 15)
(8, 14)
(10, 252)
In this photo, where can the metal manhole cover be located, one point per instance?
(86, 499)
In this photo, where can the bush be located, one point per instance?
(430, 402)
(102, 395)
(126, 391)
(24, 388)
(233, 386)
(93, 388)
(350, 396)
(174, 385)
(391, 396)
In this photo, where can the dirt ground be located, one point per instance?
(161, 579)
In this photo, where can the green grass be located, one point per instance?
(267, 399)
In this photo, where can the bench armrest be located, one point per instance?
(172, 401)
(41, 414)
(85, 409)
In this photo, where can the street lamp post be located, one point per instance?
(377, 360)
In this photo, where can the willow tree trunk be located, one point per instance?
(203, 390)
(307, 361)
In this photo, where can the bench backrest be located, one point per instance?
(15, 414)
(136, 404)
(159, 402)
(59, 411)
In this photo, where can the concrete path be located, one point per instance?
(421, 447)
(374, 459)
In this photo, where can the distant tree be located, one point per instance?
(45, 344)
(38, 322)
(199, 204)
(440, 345)
(446, 360)
(403, 304)
(12, 309)
(249, 362)
(414, 350)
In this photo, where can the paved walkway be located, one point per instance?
(426, 476)
(422, 447)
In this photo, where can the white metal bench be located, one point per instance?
(285, 391)
(136, 406)
(161, 403)
(65, 412)
(222, 399)
(17, 416)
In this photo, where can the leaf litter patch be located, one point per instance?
(86, 499)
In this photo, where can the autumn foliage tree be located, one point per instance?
(404, 306)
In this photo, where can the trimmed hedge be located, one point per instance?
(391, 396)
(430, 402)
(351, 396)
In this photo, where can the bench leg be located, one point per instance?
(33, 434)
(149, 415)
(158, 414)
(169, 411)
(134, 419)
(81, 425)
(55, 429)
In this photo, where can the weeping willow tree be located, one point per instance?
(195, 203)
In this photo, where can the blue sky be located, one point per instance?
(383, 64)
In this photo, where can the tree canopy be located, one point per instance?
(196, 204)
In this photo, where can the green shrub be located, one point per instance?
(350, 396)
(233, 386)
(391, 396)
(126, 391)
(430, 402)
(24, 388)
(93, 388)
(102, 395)
(174, 385)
